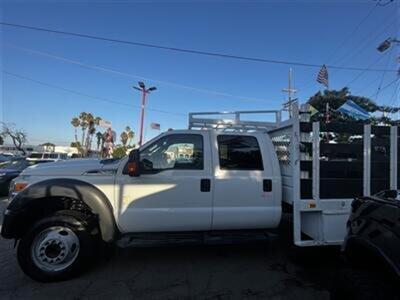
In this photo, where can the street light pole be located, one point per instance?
(142, 116)
(386, 44)
(144, 91)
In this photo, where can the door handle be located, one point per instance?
(267, 185)
(205, 185)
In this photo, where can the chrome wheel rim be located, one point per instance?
(55, 248)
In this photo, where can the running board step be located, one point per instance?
(193, 238)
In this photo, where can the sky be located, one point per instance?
(49, 78)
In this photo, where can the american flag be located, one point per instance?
(155, 126)
(322, 77)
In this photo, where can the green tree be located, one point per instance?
(75, 123)
(83, 123)
(100, 140)
(130, 133)
(119, 151)
(337, 98)
(87, 122)
(124, 138)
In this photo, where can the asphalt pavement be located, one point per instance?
(268, 270)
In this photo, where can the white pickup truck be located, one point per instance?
(184, 186)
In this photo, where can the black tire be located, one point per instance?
(76, 225)
(358, 284)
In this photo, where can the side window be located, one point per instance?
(177, 151)
(239, 152)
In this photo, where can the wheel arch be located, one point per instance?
(66, 188)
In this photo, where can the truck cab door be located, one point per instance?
(246, 188)
(173, 192)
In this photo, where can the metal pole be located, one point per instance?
(291, 91)
(316, 163)
(367, 161)
(295, 162)
(144, 92)
(393, 157)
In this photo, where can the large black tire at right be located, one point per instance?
(85, 238)
(358, 284)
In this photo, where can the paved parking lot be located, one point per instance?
(273, 270)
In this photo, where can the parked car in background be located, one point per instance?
(11, 169)
(52, 156)
(371, 249)
(5, 157)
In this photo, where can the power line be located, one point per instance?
(368, 85)
(87, 95)
(385, 87)
(352, 32)
(384, 4)
(125, 74)
(393, 97)
(361, 46)
(383, 77)
(191, 51)
(364, 44)
(371, 65)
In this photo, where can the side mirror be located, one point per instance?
(133, 163)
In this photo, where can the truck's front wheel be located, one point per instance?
(56, 248)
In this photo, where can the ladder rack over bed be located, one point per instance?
(234, 120)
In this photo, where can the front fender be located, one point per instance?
(19, 207)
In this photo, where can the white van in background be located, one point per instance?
(50, 156)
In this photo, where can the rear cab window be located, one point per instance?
(239, 152)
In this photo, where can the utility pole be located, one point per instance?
(290, 90)
(144, 91)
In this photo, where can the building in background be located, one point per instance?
(11, 149)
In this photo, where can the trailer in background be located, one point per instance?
(323, 165)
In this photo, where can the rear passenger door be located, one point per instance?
(243, 184)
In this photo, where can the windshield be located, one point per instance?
(50, 155)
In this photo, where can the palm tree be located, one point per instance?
(97, 121)
(91, 129)
(130, 133)
(83, 118)
(124, 138)
(75, 122)
(87, 122)
(99, 137)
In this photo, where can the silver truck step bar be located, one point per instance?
(195, 238)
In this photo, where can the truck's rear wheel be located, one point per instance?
(56, 248)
